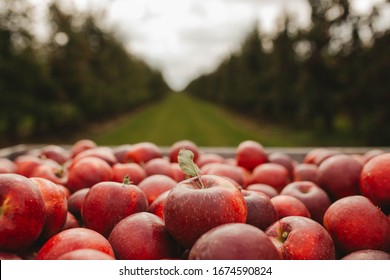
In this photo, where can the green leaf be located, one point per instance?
(186, 163)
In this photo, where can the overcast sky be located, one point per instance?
(185, 38)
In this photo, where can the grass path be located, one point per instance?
(180, 116)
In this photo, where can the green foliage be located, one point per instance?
(311, 78)
(83, 74)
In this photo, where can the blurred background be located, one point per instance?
(284, 73)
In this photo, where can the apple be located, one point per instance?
(263, 188)
(71, 222)
(143, 236)
(25, 164)
(157, 207)
(120, 152)
(104, 153)
(250, 154)
(82, 145)
(372, 153)
(339, 176)
(305, 172)
(73, 239)
(367, 255)
(88, 171)
(301, 238)
(22, 213)
(283, 159)
(155, 185)
(75, 202)
(7, 166)
(199, 204)
(9, 256)
(159, 166)
(355, 223)
(375, 181)
(106, 203)
(287, 205)
(272, 174)
(57, 153)
(261, 211)
(233, 172)
(53, 172)
(178, 174)
(85, 254)
(56, 207)
(234, 241)
(318, 155)
(209, 158)
(174, 149)
(133, 170)
(315, 199)
(142, 152)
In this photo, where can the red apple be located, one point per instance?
(143, 152)
(263, 188)
(82, 145)
(88, 171)
(178, 174)
(131, 169)
(283, 159)
(104, 153)
(106, 203)
(234, 241)
(367, 255)
(143, 236)
(301, 238)
(261, 211)
(196, 205)
(375, 181)
(22, 213)
(157, 207)
(372, 153)
(272, 174)
(305, 172)
(339, 176)
(121, 151)
(287, 205)
(53, 172)
(73, 239)
(159, 166)
(174, 150)
(56, 207)
(25, 164)
(209, 158)
(315, 199)
(250, 154)
(57, 153)
(355, 223)
(71, 222)
(75, 202)
(233, 172)
(85, 254)
(9, 256)
(7, 166)
(155, 185)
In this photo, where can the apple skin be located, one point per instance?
(272, 174)
(82, 145)
(155, 185)
(106, 203)
(235, 241)
(104, 153)
(56, 207)
(263, 188)
(178, 174)
(191, 210)
(143, 236)
(7, 166)
(157, 207)
(367, 255)
(204, 159)
(174, 149)
(88, 171)
(283, 159)
(355, 223)
(287, 205)
(75, 202)
(315, 199)
(55, 173)
(25, 164)
(22, 213)
(56, 153)
(301, 238)
(305, 172)
(73, 239)
(71, 222)
(261, 211)
(339, 176)
(9, 256)
(85, 254)
(250, 154)
(135, 172)
(159, 166)
(375, 181)
(142, 152)
(233, 172)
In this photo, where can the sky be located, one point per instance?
(187, 38)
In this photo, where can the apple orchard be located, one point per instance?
(140, 202)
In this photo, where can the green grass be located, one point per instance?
(180, 116)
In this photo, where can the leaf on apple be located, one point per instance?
(187, 165)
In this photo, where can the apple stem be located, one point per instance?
(126, 180)
(188, 166)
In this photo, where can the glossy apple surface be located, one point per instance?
(250, 154)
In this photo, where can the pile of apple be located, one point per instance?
(136, 202)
